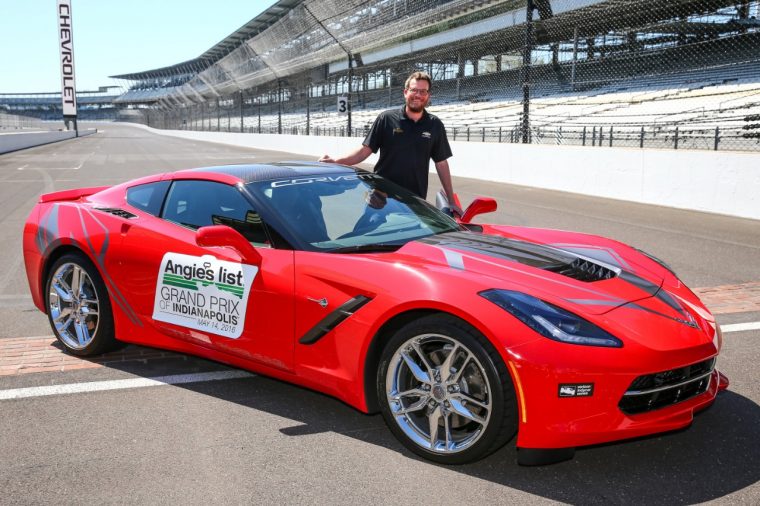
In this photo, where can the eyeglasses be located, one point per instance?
(417, 91)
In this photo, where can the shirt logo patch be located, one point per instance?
(425, 135)
(398, 131)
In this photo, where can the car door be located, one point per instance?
(209, 297)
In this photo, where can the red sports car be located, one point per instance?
(330, 277)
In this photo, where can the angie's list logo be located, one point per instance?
(203, 293)
(191, 276)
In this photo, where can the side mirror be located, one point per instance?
(480, 205)
(224, 236)
(442, 202)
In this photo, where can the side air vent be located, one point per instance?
(584, 270)
(117, 212)
(334, 319)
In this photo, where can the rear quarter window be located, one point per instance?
(148, 197)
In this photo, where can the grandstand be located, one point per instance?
(676, 74)
(27, 108)
(688, 74)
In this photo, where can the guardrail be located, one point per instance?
(23, 140)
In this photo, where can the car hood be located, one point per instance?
(583, 277)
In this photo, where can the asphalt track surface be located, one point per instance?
(162, 428)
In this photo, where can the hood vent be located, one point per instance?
(544, 257)
(121, 213)
(584, 270)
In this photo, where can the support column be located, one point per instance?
(527, 52)
(575, 57)
(461, 63)
(279, 106)
(350, 83)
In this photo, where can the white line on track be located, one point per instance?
(62, 180)
(740, 327)
(99, 386)
(25, 167)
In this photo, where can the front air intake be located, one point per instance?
(658, 390)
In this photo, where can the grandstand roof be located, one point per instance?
(596, 16)
(290, 38)
(223, 48)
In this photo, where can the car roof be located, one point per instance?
(249, 173)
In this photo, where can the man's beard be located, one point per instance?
(418, 108)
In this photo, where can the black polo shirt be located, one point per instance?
(406, 147)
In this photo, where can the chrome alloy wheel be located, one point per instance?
(438, 393)
(74, 305)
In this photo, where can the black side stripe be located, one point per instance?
(334, 319)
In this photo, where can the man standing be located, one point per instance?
(408, 138)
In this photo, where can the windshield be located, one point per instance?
(350, 212)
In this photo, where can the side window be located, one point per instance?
(196, 204)
(148, 197)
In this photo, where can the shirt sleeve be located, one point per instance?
(374, 137)
(441, 148)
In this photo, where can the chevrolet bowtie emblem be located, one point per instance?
(322, 302)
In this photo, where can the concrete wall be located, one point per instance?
(718, 182)
(15, 141)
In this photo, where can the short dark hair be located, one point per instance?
(419, 76)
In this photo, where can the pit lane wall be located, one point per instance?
(22, 140)
(719, 182)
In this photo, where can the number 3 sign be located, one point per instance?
(342, 105)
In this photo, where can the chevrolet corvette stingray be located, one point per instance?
(330, 277)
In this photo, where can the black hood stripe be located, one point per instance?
(547, 258)
(690, 322)
(535, 255)
(584, 288)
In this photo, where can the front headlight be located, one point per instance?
(551, 321)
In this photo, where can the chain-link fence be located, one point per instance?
(681, 74)
(11, 122)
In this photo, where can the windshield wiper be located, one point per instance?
(367, 248)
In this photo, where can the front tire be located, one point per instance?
(78, 306)
(445, 392)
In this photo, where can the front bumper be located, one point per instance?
(548, 420)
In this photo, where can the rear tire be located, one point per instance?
(78, 306)
(444, 391)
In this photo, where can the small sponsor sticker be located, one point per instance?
(576, 390)
(203, 293)
(426, 135)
